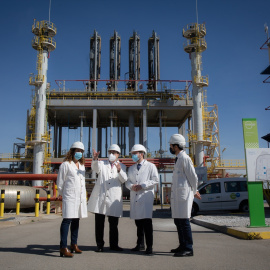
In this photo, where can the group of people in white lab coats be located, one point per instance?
(106, 198)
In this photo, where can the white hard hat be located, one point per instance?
(138, 148)
(78, 145)
(114, 147)
(178, 139)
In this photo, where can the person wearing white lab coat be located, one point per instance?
(184, 187)
(106, 198)
(71, 186)
(142, 177)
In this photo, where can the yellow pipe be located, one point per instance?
(48, 202)
(2, 205)
(18, 203)
(37, 204)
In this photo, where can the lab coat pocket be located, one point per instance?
(70, 194)
(182, 193)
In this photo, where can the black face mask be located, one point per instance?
(172, 151)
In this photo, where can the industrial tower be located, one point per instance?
(195, 45)
(44, 43)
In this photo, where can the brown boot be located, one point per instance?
(74, 247)
(65, 252)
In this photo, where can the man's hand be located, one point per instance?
(118, 167)
(95, 154)
(136, 187)
(198, 195)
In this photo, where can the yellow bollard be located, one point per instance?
(48, 202)
(18, 203)
(37, 203)
(2, 204)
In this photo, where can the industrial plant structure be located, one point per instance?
(116, 105)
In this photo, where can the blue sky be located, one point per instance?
(233, 59)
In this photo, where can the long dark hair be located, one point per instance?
(70, 155)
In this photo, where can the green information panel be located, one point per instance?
(255, 189)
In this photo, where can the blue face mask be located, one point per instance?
(135, 158)
(78, 155)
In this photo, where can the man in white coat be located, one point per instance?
(142, 177)
(106, 198)
(184, 187)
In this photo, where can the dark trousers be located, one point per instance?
(184, 233)
(113, 231)
(74, 230)
(144, 226)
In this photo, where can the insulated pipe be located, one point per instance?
(29, 177)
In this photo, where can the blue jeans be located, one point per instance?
(184, 233)
(74, 230)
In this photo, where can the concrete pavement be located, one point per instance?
(35, 244)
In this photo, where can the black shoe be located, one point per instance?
(149, 251)
(138, 248)
(184, 253)
(176, 250)
(99, 249)
(116, 248)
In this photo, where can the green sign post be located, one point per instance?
(255, 189)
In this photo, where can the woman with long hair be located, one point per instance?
(71, 185)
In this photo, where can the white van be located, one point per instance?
(222, 194)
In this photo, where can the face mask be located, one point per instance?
(112, 157)
(172, 151)
(78, 155)
(135, 158)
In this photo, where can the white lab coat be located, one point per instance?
(71, 185)
(184, 186)
(141, 202)
(106, 197)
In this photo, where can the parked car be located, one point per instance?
(222, 194)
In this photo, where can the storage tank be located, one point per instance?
(27, 195)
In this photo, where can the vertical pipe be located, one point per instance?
(89, 143)
(118, 136)
(81, 129)
(94, 135)
(125, 150)
(131, 132)
(55, 138)
(100, 141)
(197, 108)
(59, 141)
(189, 130)
(40, 122)
(18, 203)
(48, 202)
(2, 204)
(37, 203)
(145, 143)
(160, 133)
(94, 130)
(106, 142)
(111, 129)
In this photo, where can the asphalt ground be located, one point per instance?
(27, 242)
